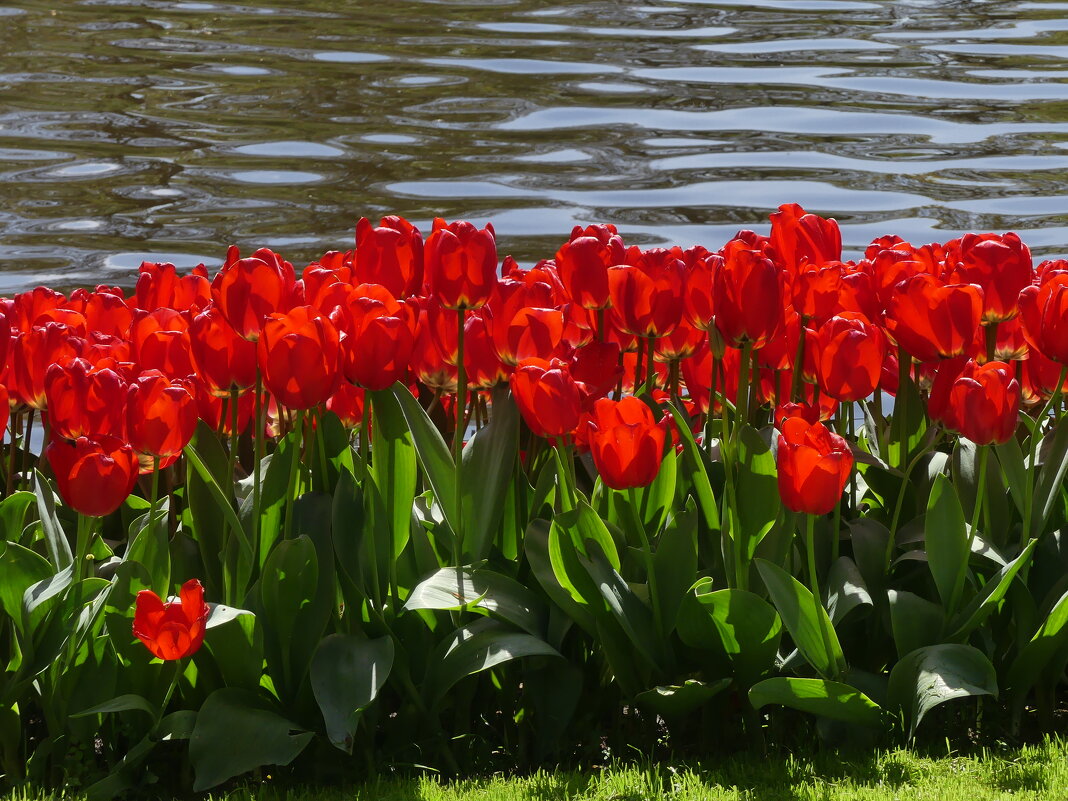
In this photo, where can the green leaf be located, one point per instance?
(348, 521)
(13, 510)
(475, 648)
(123, 703)
(675, 562)
(915, 621)
(475, 588)
(434, 454)
(829, 699)
(1050, 479)
(22, 568)
(946, 539)
(537, 548)
(394, 465)
(59, 552)
(347, 674)
(758, 490)
(846, 589)
(236, 731)
(151, 548)
(749, 629)
(288, 589)
(935, 674)
(805, 619)
(696, 471)
(987, 599)
(1036, 654)
(489, 462)
(674, 701)
(219, 614)
(222, 502)
(235, 643)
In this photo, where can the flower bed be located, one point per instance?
(427, 509)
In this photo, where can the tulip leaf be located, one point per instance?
(348, 523)
(473, 588)
(394, 466)
(654, 502)
(215, 492)
(237, 731)
(538, 544)
(151, 548)
(22, 568)
(347, 673)
(946, 540)
(13, 510)
(1035, 657)
(219, 614)
(1011, 458)
(748, 627)
(235, 643)
(696, 470)
(828, 699)
(987, 599)
(914, 621)
(932, 675)
(123, 703)
(758, 496)
(846, 589)
(1050, 478)
(434, 455)
(805, 619)
(59, 552)
(675, 701)
(477, 647)
(287, 590)
(490, 459)
(675, 562)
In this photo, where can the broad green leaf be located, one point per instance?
(758, 490)
(22, 568)
(1011, 458)
(476, 588)
(946, 540)
(490, 459)
(123, 703)
(287, 590)
(151, 548)
(829, 699)
(696, 471)
(915, 621)
(537, 547)
(675, 701)
(749, 629)
(214, 491)
(987, 599)
(1050, 479)
(846, 589)
(1034, 657)
(935, 674)
(235, 643)
(675, 562)
(13, 510)
(219, 614)
(654, 502)
(393, 465)
(348, 521)
(805, 619)
(237, 731)
(434, 454)
(347, 673)
(59, 552)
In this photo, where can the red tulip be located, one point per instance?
(931, 320)
(391, 255)
(347, 403)
(813, 466)
(161, 415)
(798, 237)
(1044, 312)
(747, 297)
(376, 350)
(647, 292)
(93, 477)
(460, 264)
(224, 360)
(595, 366)
(701, 269)
(547, 396)
(160, 286)
(174, 629)
(33, 352)
(849, 356)
(583, 263)
(299, 355)
(1000, 264)
(84, 401)
(247, 292)
(981, 402)
(626, 442)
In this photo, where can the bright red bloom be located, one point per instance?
(981, 402)
(931, 320)
(483, 369)
(626, 442)
(583, 264)
(224, 360)
(849, 356)
(93, 477)
(161, 415)
(160, 286)
(33, 352)
(701, 269)
(299, 355)
(999, 263)
(818, 291)
(747, 297)
(647, 292)
(174, 629)
(813, 466)
(375, 352)
(460, 264)
(1044, 312)
(547, 396)
(595, 366)
(390, 255)
(347, 403)
(84, 401)
(107, 313)
(247, 292)
(798, 237)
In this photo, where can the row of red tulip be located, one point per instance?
(122, 376)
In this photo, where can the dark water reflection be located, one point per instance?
(166, 130)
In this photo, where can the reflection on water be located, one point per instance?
(147, 129)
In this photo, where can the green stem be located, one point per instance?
(320, 446)
(637, 520)
(294, 466)
(650, 368)
(814, 585)
(155, 489)
(900, 406)
(1025, 534)
(26, 441)
(742, 403)
(991, 332)
(233, 436)
(85, 527)
(600, 324)
(900, 501)
(958, 584)
(12, 431)
(799, 365)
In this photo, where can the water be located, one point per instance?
(167, 130)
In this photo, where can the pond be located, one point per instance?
(167, 130)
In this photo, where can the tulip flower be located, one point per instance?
(33, 352)
(224, 360)
(174, 629)
(931, 320)
(626, 442)
(160, 286)
(849, 356)
(813, 465)
(1000, 264)
(299, 355)
(460, 264)
(647, 293)
(748, 297)
(981, 402)
(247, 292)
(548, 397)
(94, 477)
(391, 255)
(798, 237)
(161, 415)
(1044, 312)
(84, 401)
(583, 263)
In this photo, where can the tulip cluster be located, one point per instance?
(121, 379)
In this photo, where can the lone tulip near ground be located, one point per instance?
(174, 629)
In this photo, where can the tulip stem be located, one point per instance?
(320, 446)
(638, 521)
(1025, 534)
(26, 440)
(650, 368)
(233, 439)
(814, 584)
(458, 439)
(901, 406)
(900, 501)
(12, 433)
(600, 324)
(639, 366)
(742, 404)
(294, 465)
(155, 489)
(81, 548)
(257, 454)
(799, 365)
(980, 486)
(991, 332)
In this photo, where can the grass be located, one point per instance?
(1031, 772)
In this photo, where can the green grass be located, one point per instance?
(1034, 772)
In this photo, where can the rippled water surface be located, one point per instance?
(166, 130)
